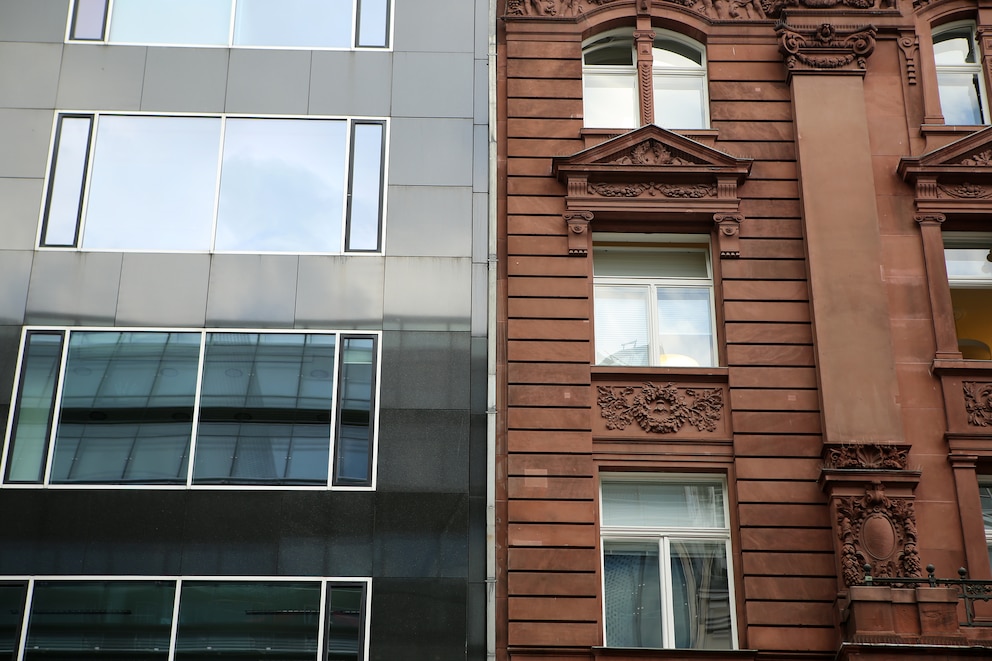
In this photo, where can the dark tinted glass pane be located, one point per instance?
(66, 186)
(354, 439)
(366, 187)
(11, 610)
(32, 424)
(70, 621)
(225, 620)
(88, 19)
(127, 407)
(265, 409)
(344, 622)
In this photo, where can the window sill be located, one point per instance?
(624, 653)
(961, 366)
(694, 374)
(595, 136)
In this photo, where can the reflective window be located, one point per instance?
(250, 23)
(132, 407)
(611, 93)
(969, 273)
(985, 492)
(229, 184)
(310, 619)
(666, 570)
(653, 301)
(960, 80)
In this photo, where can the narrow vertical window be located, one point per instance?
(960, 80)
(32, 422)
(353, 456)
(345, 622)
(365, 188)
(65, 183)
(373, 23)
(12, 599)
(89, 20)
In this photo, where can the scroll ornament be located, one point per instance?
(824, 47)
(880, 532)
(660, 410)
(868, 456)
(978, 403)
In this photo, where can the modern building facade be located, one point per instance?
(243, 329)
(743, 373)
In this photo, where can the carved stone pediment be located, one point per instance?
(954, 179)
(654, 171)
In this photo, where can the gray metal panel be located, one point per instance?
(19, 212)
(29, 74)
(480, 300)
(351, 83)
(442, 26)
(480, 227)
(269, 81)
(431, 152)
(185, 79)
(252, 290)
(480, 158)
(25, 136)
(481, 102)
(33, 20)
(101, 77)
(429, 221)
(339, 292)
(163, 290)
(15, 273)
(433, 85)
(427, 293)
(73, 288)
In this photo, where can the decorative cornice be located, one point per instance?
(660, 410)
(878, 531)
(978, 403)
(867, 456)
(825, 47)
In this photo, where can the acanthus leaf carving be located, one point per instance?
(966, 191)
(651, 188)
(862, 456)
(551, 7)
(651, 152)
(660, 409)
(983, 159)
(878, 531)
(978, 403)
(824, 47)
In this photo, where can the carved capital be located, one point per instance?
(862, 456)
(826, 48)
(930, 218)
(579, 238)
(910, 46)
(729, 233)
(660, 409)
(879, 531)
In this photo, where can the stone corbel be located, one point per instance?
(579, 238)
(826, 48)
(910, 46)
(729, 234)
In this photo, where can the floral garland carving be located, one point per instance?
(878, 531)
(650, 152)
(966, 191)
(978, 403)
(660, 410)
(550, 7)
(983, 159)
(653, 189)
(868, 455)
(824, 47)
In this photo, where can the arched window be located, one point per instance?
(959, 74)
(611, 94)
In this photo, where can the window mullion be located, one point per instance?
(332, 442)
(230, 29)
(195, 428)
(56, 409)
(28, 598)
(325, 612)
(217, 182)
(667, 592)
(84, 197)
(175, 617)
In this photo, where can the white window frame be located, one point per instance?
(972, 69)
(95, 116)
(658, 73)
(656, 242)
(664, 536)
(325, 582)
(356, 11)
(189, 483)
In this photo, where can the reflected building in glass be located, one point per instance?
(244, 329)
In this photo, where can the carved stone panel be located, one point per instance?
(652, 409)
(879, 531)
(825, 47)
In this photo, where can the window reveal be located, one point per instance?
(129, 407)
(232, 184)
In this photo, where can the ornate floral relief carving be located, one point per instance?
(877, 531)
(909, 46)
(868, 455)
(965, 191)
(825, 47)
(978, 403)
(983, 159)
(551, 7)
(660, 410)
(651, 152)
(652, 189)
(746, 10)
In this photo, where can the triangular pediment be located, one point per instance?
(954, 179)
(652, 148)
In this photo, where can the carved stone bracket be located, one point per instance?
(729, 234)
(826, 48)
(930, 219)
(872, 503)
(910, 46)
(660, 409)
(578, 232)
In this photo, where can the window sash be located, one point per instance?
(118, 418)
(105, 192)
(960, 84)
(312, 618)
(310, 24)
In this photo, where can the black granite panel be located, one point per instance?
(423, 450)
(421, 535)
(418, 620)
(479, 377)
(10, 338)
(425, 370)
(478, 452)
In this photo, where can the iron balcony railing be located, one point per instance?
(969, 590)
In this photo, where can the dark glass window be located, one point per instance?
(12, 596)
